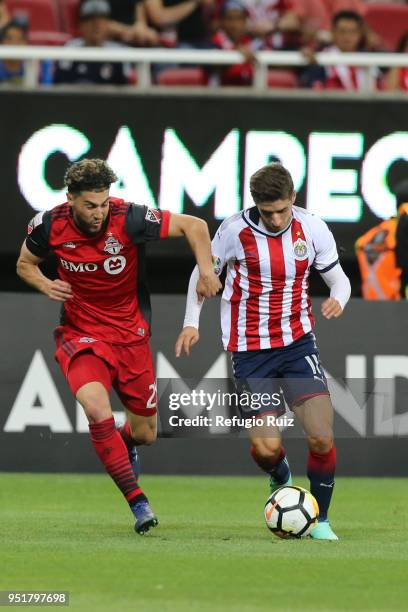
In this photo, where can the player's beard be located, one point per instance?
(87, 228)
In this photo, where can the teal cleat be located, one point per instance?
(323, 531)
(274, 485)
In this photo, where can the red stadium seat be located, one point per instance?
(48, 38)
(388, 21)
(282, 78)
(69, 11)
(42, 14)
(182, 76)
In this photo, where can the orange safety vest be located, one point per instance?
(375, 250)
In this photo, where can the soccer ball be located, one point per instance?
(291, 512)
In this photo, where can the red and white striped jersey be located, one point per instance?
(266, 303)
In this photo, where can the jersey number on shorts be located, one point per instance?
(151, 402)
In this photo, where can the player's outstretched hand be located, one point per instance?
(187, 338)
(208, 286)
(59, 290)
(331, 308)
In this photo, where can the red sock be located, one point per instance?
(113, 453)
(126, 434)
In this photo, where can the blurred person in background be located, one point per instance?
(401, 237)
(189, 19)
(382, 254)
(94, 29)
(397, 78)
(348, 34)
(4, 14)
(127, 23)
(233, 35)
(275, 22)
(12, 71)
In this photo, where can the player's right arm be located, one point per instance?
(28, 270)
(34, 250)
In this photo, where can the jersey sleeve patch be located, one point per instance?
(144, 224)
(38, 232)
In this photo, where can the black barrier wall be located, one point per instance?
(196, 154)
(364, 351)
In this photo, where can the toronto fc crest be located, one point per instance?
(112, 245)
(300, 249)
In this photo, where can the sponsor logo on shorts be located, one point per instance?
(86, 339)
(114, 265)
(152, 215)
(112, 245)
(300, 249)
(140, 331)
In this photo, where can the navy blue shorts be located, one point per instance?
(292, 373)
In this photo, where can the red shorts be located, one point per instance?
(127, 368)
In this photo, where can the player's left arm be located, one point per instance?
(327, 264)
(196, 232)
(144, 224)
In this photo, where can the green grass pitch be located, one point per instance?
(211, 550)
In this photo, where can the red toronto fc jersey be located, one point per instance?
(106, 271)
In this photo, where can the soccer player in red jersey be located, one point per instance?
(103, 336)
(267, 323)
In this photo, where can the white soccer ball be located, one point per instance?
(291, 512)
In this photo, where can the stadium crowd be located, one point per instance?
(244, 25)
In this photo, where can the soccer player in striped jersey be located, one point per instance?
(267, 323)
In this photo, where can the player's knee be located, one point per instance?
(145, 436)
(268, 450)
(95, 409)
(320, 444)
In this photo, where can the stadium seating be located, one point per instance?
(390, 21)
(69, 10)
(48, 38)
(182, 76)
(282, 78)
(41, 14)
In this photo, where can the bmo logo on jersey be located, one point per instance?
(78, 267)
(114, 265)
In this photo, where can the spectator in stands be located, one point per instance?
(94, 28)
(348, 34)
(4, 14)
(12, 71)
(191, 19)
(233, 35)
(316, 16)
(397, 78)
(275, 22)
(128, 23)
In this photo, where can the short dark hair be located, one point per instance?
(89, 175)
(349, 15)
(14, 24)
(270, 183)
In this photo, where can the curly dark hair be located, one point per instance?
(89, 175)
(270, 183)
